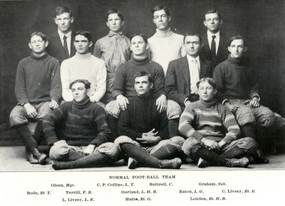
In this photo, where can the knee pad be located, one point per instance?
(173, 109)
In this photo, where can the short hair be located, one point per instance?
(86, 34)
(209, 80)
(62, 9)
(38, 33)
(213, 11)
(84, 81)
(160, 7)
(193, 34)
(114, 11)
(142, 36)
(236, 38)
(142, 74)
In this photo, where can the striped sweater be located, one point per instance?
(210, 120)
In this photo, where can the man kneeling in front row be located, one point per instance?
(144, 130)
(78, 133)
(212, 132)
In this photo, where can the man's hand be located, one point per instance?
(221, 144)
(210, 143)
(31, 111)
(254, 102)
(149, 138)
(187, 103)
(161, 103)
(232, 107)
(53, 104)
(89, 149)
(122, 102)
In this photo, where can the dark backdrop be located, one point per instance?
(260, 21)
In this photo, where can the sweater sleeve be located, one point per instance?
(163, 130)
(231, 125)
(159, 82)
(20, 85)
(101, 77)
(104, 132)
(56, 90)
(185, 123)
(124, 125)
(218, 77)
(64, 75)
(252, 83)
(119, 82)
(97, 50)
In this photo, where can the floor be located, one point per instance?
(12, 159)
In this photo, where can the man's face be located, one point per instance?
(138, 46)
(114, 22)
(63, 22)
(82, 44)
(143, 86)
(79, 92)
(206, 92)
(161, 20)
(192, 45)
(37, 44)
(212, 22)
(237, 48)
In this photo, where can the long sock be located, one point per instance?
(166, 152)
(95, 159)
(26, 136)
(113, 123)
(248, 130)
(211, 156)
(173, 127)
(39, 133)
(140, 155)
(73, 155)
(235, 152)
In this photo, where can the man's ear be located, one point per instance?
(229, 49)
(201, 45)
(245, 49)
(30, 45)
(169, 18)
(90, 44)
(71, 19)
(205, 23)
(46, 44)
(151, 85)
(215, 91)
(221, 21)
(147, 46)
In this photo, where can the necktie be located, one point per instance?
(65, 45)
(194, 73)
(213, 45)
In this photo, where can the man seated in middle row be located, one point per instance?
(144, 130)
(124, 81)
(78, 133)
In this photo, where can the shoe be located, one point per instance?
(243, 162)
(203, 163)
(30, 157)
(132, 163)
(260, 157)
(171, 164)
(39, 156)
(62, 165)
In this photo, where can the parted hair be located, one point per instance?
(114, 11)
(209, 80)
(142, 74)
(62, 9)
(84, 81)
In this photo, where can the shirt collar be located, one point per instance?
(209, 34)
(189, 58)
(62, 34)
(111, 33)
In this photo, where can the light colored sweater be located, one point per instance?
(86, 67)
(166, 46)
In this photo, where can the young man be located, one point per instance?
(215, 48)
(239, 92)
(212, 132)
(61, 42)
(183, 74)
(77, 132)
(83, 66)
(165, 45)
(124, 81)
(144, 130)
(38, 91)
(114, 49)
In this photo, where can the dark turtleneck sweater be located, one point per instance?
(38, 79)
(235, 80)
(142, 116)
(208, 119)
(124, 78)
(80, 124)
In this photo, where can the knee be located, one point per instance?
(266, 118)
(244, 115)
(177, 141)
(58, 152)
(188, 145)
(109, 149)
(17, 119)
(173, 109)
(247, 143)
(122, 139)
(113, 109)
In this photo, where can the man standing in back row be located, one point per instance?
(165, 45)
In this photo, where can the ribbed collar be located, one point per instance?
(140, 62)
(163, 34)
(208, 104)
(39, 58)
(235, 61)
(83, 56)
(83, 104)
